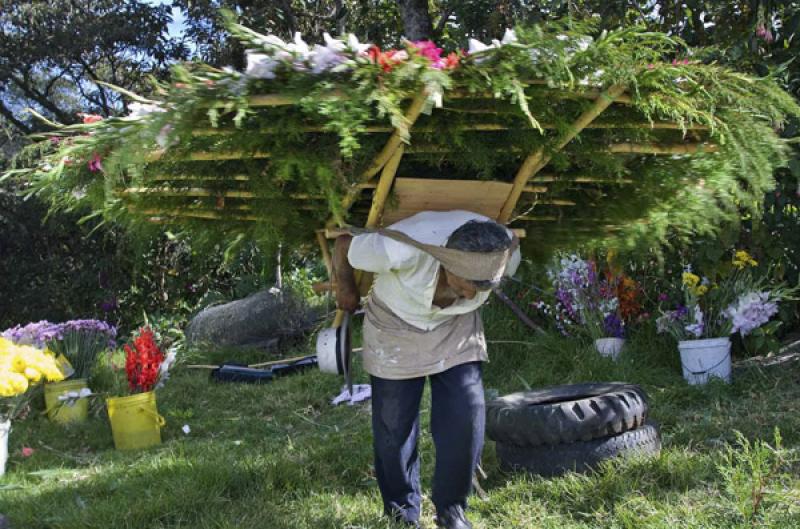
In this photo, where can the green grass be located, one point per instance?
(280, 456)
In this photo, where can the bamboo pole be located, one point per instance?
(326, 252)
(425, 148)
(394, 141)
(384, 186)
(472, 127)
(653, 148)
(157, 155)
(397, 137)
(538, 159)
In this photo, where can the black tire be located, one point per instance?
(582, 456)
(565, 414)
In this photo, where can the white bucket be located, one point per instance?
(5, 428)
(703, 359)
(609, 347)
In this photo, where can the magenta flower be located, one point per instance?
(429, 50)
(95, 163)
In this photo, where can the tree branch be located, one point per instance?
(21, 125)
(40, 98)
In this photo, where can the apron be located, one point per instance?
(396, 350)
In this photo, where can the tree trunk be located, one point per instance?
(416, 19)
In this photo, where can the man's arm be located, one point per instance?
(347, 295)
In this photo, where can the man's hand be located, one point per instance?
(347, 295)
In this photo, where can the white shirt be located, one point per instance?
(406, 277)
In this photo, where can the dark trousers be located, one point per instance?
(457, 425)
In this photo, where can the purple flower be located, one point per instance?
(750, 312)
(614, 327)
(663, 297)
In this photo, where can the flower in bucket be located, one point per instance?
(737, 302)
(21, 368)
(146, 365)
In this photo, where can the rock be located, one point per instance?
(261, 320)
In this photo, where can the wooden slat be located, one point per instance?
(413, 195)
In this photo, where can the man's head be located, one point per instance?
(476, 236)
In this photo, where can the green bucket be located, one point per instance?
(60, 412)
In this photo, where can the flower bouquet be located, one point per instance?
(135, 421)
(712, 311)
(588, 303)
(21, 368)
(77, 344)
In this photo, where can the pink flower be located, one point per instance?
(95, 163)
(27, 451)
(428, 49)
(651, 66)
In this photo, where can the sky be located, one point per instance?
(175, 27)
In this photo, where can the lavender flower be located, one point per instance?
(696, 328)
(37, 334)
(750, 312)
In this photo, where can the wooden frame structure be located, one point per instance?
(498, 200)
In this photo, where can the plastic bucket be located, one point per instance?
(60, 412)
(703, 359)
(135, 422)
(5, 428)
(609, 347)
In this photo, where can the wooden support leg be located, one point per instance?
(540, 158)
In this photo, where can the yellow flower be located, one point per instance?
(18, 383)
(5, 388)
(33, 374)
(742, 259)
(690, 280)
(700, 290)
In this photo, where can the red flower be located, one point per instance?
(142, 361)
(451, 61)
(91, 118)
(386, 59)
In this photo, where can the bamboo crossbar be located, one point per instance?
(632, 148)
(472, 127)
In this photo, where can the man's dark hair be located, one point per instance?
(480, 236)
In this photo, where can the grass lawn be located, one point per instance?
(280, 456)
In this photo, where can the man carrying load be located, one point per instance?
(432, 272)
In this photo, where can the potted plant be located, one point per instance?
(711, 312)
(22, 367)
(77, 344)
(135, 421)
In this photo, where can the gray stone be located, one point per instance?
(261, 320)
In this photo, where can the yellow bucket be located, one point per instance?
(57, 410)
(135, 422)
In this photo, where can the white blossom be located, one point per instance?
(509, 36)
(260, 66)
(139, 110)
(355, 46)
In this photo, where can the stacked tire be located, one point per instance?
(571, 428)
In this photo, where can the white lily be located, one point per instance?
(299, 46)
(510, 36)
(476, 46)
(271, 41)
(138, 110)
(356, 46)
(260, 66)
